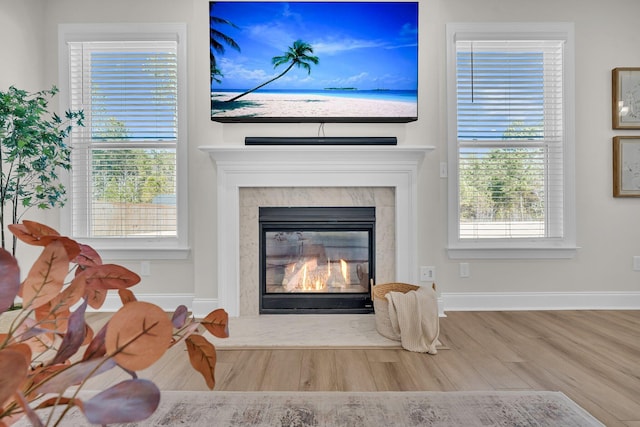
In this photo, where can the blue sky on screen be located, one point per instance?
(359, 44)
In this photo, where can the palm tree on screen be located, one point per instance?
(217, 42)
(298, 55)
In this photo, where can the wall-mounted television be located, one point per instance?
(301, 61)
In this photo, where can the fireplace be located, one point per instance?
(316, 259)
(234, 277)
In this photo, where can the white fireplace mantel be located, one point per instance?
(313, 166)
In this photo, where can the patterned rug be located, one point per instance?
(354, 409)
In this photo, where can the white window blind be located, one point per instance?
(510, 134)
(124, 174)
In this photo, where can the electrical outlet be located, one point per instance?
(636, 263)
(145, 268)
(465, 269)
(443, 170)
(427, 274)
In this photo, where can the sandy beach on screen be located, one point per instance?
(303, 105)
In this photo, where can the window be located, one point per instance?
(511, 155)
(127, 181)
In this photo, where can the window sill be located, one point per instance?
(142, 253)
(513, 253)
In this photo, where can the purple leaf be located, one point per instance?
(31, 414)
(9, 280)
(32, 332)
(75, 374)
(74, 337)
(180, 316)
(126, 402)
(97, 347)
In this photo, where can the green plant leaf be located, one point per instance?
(33, 147)
(126, 402)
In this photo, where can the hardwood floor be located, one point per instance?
(591, 356)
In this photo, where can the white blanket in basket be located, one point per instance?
(414, 317)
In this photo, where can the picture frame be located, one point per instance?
(626, 98)
(626, 166)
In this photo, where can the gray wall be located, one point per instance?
(608, 234)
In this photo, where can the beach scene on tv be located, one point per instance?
(311, 61)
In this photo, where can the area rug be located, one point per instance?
(304, 330)
(355, 409)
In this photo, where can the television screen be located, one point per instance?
(313, 61)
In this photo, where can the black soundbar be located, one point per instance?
(339, 140)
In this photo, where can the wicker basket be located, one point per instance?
(381, 306)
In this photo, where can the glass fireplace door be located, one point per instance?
(312, 263)
(317, 261)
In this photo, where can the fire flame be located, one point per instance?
(344, 269)
(311, 277)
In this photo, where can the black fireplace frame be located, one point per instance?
(315, 219)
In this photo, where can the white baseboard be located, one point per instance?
(203, 306)
(448, 301)
(506, 301)
(168, 302)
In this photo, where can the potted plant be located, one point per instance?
(48, 352)
(32, 152)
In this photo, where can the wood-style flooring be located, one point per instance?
(591, 356)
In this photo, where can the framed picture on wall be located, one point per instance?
(626, 98)
(626, 166)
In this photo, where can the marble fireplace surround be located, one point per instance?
(251, 199)
(241, 167)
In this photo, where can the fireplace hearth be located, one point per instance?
(316, 259)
